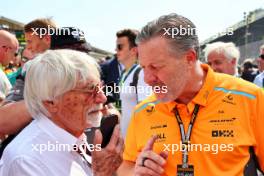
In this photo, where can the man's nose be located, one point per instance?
(100, 97)
(149, 76)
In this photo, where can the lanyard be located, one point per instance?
(124, 76)
(185, 138)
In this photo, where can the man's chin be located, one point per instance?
(164, 98)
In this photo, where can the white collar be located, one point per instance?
(59, 134)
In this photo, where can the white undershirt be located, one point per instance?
(129, 99)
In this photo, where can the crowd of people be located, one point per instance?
(176, 114)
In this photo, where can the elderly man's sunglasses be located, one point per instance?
(91, 90)
(261, 56)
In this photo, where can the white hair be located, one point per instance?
(229, 50)
(55, 72)
(261, 47)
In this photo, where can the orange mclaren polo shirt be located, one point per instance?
(230, 120)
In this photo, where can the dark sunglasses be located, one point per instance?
(261, 56)
(119, 47)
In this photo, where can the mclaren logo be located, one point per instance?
(223, 120)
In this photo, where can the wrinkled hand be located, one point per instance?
(106, 161)
(149, 162)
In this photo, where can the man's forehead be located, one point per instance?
(123, 39)
(152, 51)
(215, 55)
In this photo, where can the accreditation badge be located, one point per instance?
(188, 171)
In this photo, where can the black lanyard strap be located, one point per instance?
(185, 138)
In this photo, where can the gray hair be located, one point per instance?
(55, 72)
(229, 50)
(261, 47)
(172, 27)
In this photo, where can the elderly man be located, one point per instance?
(205, 124)
(222, 57)
(63, 106)
(259, 80)
(14, 115)
(8, 49)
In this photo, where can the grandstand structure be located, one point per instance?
(247, 34)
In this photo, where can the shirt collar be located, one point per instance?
(59, 134)
(202, 97)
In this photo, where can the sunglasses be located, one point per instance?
(119, 47)
(92, 90)
(261, 56)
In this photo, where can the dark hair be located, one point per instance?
(130, 34)
(44, 23)
(82, 47)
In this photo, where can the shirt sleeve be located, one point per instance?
(258, 129)
(25, 166)
(130, 152)
(5, 85)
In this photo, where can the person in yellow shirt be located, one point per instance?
(204, 124)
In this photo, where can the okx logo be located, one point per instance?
(222, 133)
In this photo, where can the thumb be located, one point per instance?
(98, 138)
(150, 143)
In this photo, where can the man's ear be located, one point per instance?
(51, 106)
(233, 61)
(191, 56)
(47, 39)
(134, 50)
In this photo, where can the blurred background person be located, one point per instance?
(223, 57)
(8, 50)
(249, 71)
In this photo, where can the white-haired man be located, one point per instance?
(222, 57)
(63, 106)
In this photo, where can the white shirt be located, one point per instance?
(5, 85)
(129, 99)
(26, 155)
(259, 79)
